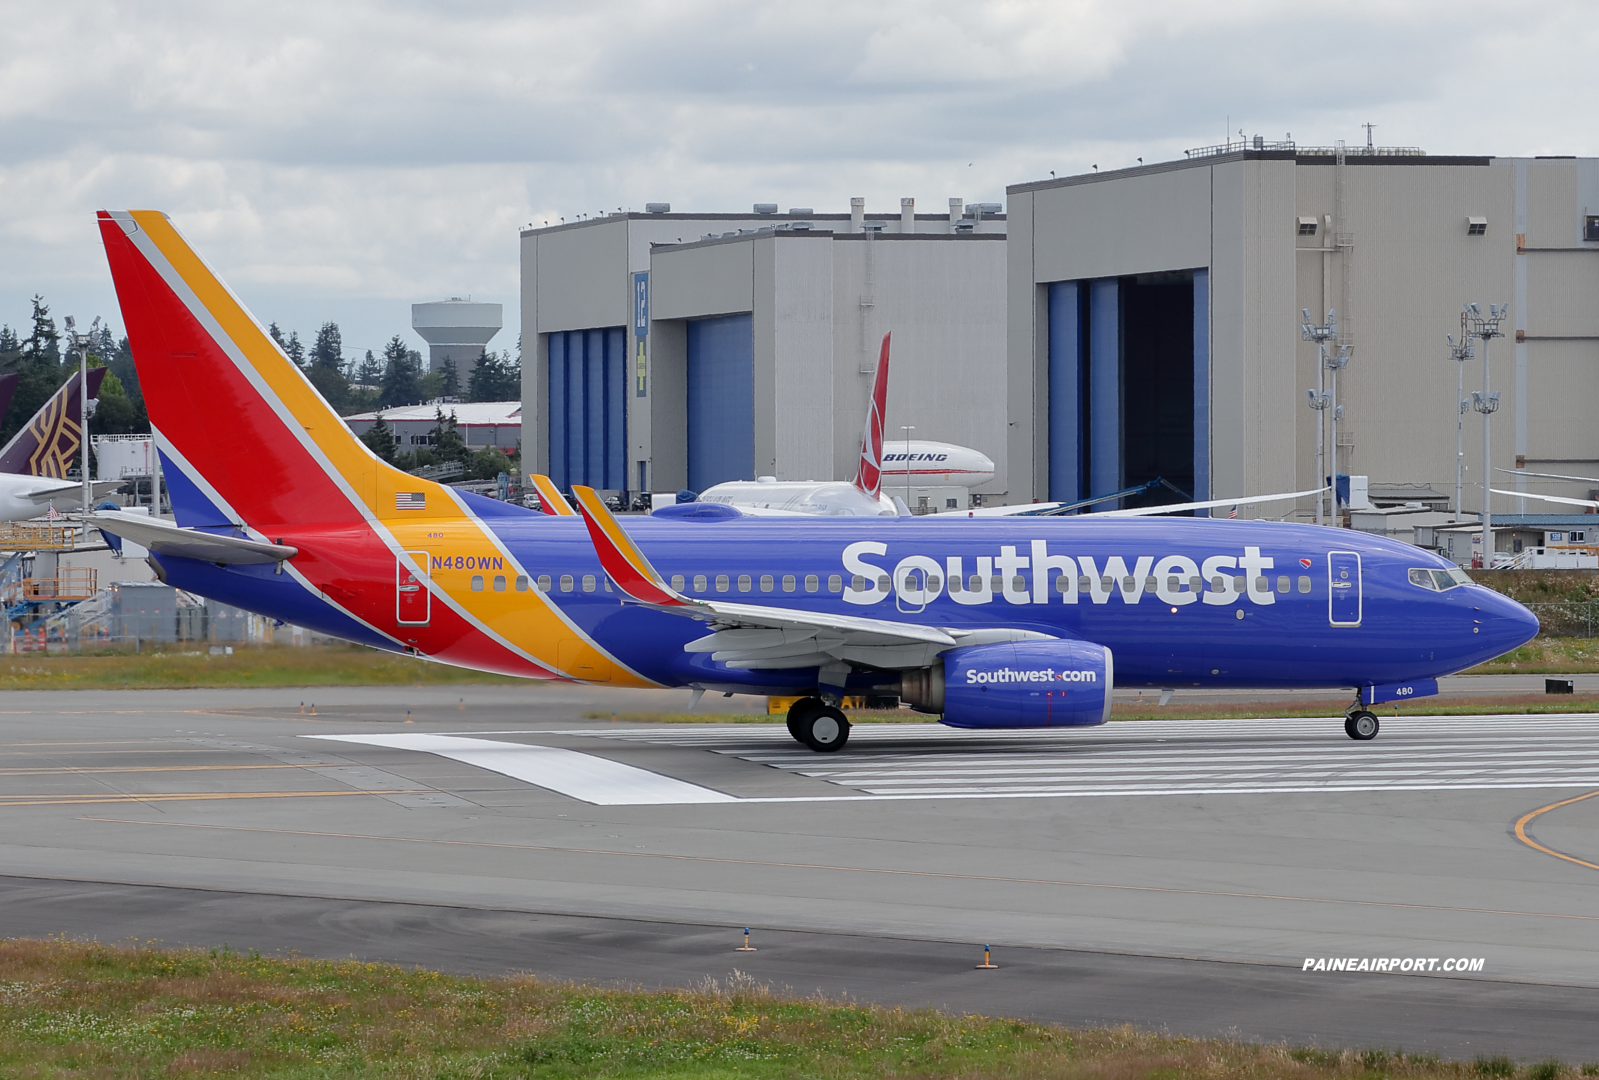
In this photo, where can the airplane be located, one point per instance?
(34, 464)
(986, 623)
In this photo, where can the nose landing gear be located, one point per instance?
(818, 725)
(1361, 724)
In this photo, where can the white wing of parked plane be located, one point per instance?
(1547, 476)
(1548, 498)
(1141, 511)
(23, 496)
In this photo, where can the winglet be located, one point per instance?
(869, 474)
(550, 500)
(621, 558)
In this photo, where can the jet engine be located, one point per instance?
(1016, 684)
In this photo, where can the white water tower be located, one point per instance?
(456, 328)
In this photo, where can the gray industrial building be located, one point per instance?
(681, 350)
(1154, 319)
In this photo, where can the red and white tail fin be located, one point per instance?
(869, 474)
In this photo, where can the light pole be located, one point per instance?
(1461, 353)
(1322, 398)
(80, 344)
(907, 429)
(1486, 402)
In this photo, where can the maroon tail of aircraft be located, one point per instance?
(869, 474)
(50, 443)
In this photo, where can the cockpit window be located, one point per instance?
(1439, 580)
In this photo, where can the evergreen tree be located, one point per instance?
(295, 350)
(44, 343)
(277, 336)
(114, 412)
(38, 360)
(380, 438)
(370, 373)
(447, 442)
(401, 371)
(495, 378)
(9, 343)
(328, 352)
(449, 378)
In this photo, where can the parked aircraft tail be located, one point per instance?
(869, 475)
(52, 442)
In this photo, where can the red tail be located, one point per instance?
(869, 475)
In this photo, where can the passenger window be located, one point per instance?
(1262, 585)
(1423, 578)
(566, 582)
(1218, 584)
(588, 582)
(677, 582)
(1083, 584)
(766, 583)
(834, 583)
(955, 584)
(721, 582)
(744, 583)
(883, 583)
(1196, 584)
(975, 584)
(788, 583)
(997, 583)
(699, 582)
(857, 584)
(1304, 584)
(1282, 583)
(499, 582)
(605, 582)
(1151, 584)
(1019, 583)
(812, 583)
(544, 583)
(521, 583)
(477, 582)
(1128, 584)
(933, 583)
(1063, 584)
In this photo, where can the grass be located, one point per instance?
(94, 1011)
(1545, 656)
(280, 665)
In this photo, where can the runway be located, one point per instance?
(1170, 873)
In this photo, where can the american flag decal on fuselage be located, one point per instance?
(410, 500)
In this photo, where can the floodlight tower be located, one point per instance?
(1461, 353)
(80, 344)
(1486, 402)
(1321, 399)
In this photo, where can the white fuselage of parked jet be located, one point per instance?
(918, 462)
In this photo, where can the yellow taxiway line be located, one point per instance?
(1526, 819)
(190, 796)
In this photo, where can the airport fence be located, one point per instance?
(1578, 618)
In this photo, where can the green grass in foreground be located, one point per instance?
(1545, 656)
(89, 1010)
(276, 665)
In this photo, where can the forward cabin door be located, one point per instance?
(412, 598)
(1343, 580)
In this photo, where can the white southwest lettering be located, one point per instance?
(1036, 675)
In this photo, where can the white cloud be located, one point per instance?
(338, 161)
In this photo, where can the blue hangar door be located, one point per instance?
(588, 408)
(721, 400)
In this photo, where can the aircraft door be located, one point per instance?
(412, 598)
(1344, 594)
(917, 580)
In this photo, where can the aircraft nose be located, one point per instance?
(1504, 624)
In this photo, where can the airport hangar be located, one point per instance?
(682, 350)
(1151, 328)
(1154, 320)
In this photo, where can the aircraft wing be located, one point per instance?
(165, 538)
(1547, 498)
(757, 636)
(47, 493)
(1176, 508)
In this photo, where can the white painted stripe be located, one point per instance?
(581, 776)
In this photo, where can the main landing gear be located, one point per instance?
(1361, 724)
(818, 725)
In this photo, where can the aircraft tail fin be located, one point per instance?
(869, 474)
(52, 441)
(550, 500)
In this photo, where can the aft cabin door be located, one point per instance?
(1343, 581)
(412, 599)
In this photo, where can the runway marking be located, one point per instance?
(591, 779)
(887, 871)
(189, 796)
(1163, 757)
(1526, 819)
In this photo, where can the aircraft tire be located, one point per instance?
(824, 730)
(1361, 725)
(800, 711)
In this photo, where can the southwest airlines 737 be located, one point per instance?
(998, 622)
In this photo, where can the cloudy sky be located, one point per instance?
(341, 160)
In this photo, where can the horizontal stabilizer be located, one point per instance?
(165, 538)
(71, 491)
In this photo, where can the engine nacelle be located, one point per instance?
(1016, 684)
